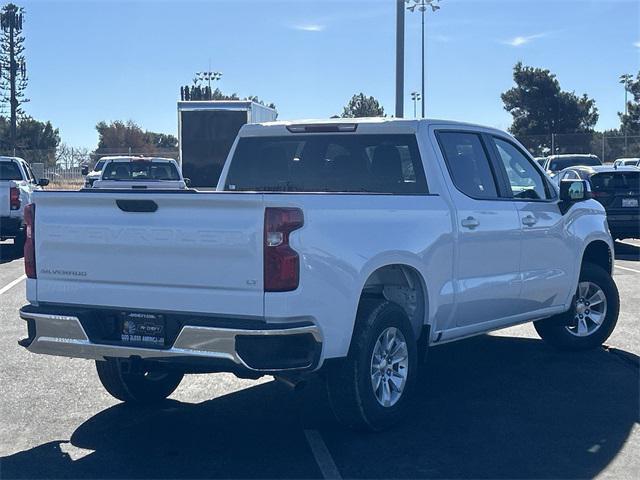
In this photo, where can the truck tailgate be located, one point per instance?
(4, 197)
(197, 252)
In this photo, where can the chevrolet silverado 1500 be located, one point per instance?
(347, 248)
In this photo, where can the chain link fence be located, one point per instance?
(607, 148)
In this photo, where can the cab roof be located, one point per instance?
(364, 125)
(602, 169)
(133, 158)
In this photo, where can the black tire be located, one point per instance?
(554, 329)
(349, 383)
(18, 243)
(140, 387)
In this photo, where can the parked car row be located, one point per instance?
(617, 189)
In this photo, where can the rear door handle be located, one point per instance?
(529, 221)
(470, 223)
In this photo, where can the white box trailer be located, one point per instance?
(206, 132)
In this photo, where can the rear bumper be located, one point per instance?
(10, 227)
(216, 348)
(627, 225)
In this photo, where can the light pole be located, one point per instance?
(399, 58)
(421, 6)
(208, 76)
(625, 79)
(415, 96)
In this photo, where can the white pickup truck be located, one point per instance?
(17, 183)
(140, 173)
(344, 247)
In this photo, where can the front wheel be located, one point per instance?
(370, 389)
(592, 317)
(139, 387)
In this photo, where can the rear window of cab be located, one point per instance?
(345, 163)
(140, 170)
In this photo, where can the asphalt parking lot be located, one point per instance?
(497, 406)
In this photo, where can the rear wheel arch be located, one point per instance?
(403, 285)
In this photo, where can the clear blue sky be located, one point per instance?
(106, 60)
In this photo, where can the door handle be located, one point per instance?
(529, 220)
(470, 223)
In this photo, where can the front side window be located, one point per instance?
(525, 179)
(328, 163)
(468, 164)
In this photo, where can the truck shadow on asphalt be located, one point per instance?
(627, 251)
(488, 407)
(9, 252)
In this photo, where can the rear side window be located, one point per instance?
(328, 163)
(468, 164)
(9, 171)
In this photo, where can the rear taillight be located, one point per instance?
(281, 262)
(14, 198)
(30, 241)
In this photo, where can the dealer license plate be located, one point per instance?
(143, 328)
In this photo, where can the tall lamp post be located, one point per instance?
(208, 76)
(421, 6)
(415, 96)
(625, 80)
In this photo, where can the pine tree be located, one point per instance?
(13, 68)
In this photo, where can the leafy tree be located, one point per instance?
(68, 157)
(540, 107)
(162, 141)
(197, 92)
(35, 141)
(362, 106)
(123, 137)
(13, 68)
(630, 123)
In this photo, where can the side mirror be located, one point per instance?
(572, 191)
(187, 182)
(85, 170)
(43, 182)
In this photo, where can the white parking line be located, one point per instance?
(321, 453)
(12, 284)
(627, 268)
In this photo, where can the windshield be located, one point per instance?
(99, 166)
(566, 162)
(328, 163)
(146, 171)
(10, 171)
